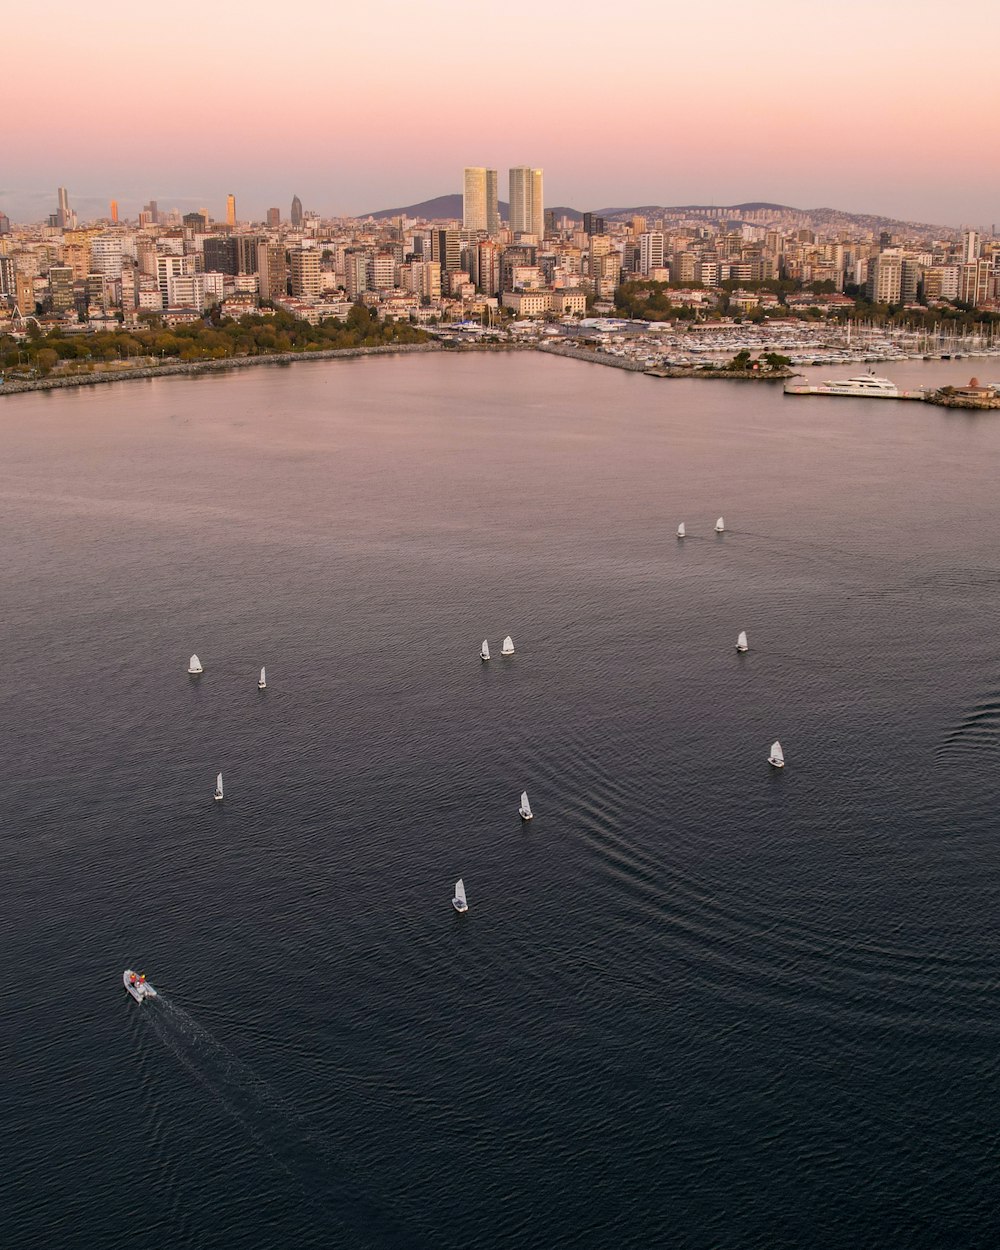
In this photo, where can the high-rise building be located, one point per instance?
(153, 211)
(970, 246)
(592, 224)
(114, 212)
(650, 251)
(356, 271)
(220, 255)
(446, 248)
(230, 210)
(273, 218)
(480, 208)
(885, 278)
(198, 222)
(61, 288)
(527, 209)
(272, 271)
(8, 274)
(63, 211)
(297, 216)
(246, 246)
(304, 271)
(4, 224)
(106, 253)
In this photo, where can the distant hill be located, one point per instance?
(449, 208)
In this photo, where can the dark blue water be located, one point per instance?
(695, 1003)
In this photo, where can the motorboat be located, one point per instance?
(525, 809)
(865, 386)
(195, 666)
(720, 526)
(219, 794)
(777, 757)
(484, 650)
(459, 902)
(508, 646)
(137, 985)
(741, 641)
(262, 681)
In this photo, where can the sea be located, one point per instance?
(696, 1003)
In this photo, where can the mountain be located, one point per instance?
(449, 208)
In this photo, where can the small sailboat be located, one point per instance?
(741, 641)
(484, 650)
(508, 646)
(681, 531)
(525, 809)
(777, 757)
(720, 526)
(219, 795)
(194, 666)
(459, 901)
(262, 681)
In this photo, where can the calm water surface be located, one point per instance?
(696, 1003)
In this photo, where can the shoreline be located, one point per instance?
(187, 367)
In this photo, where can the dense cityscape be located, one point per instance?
(489, 265)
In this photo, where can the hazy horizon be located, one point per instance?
(658, 107)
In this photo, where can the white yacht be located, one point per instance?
(194, 666)
(262, 681)
(681, 531)
(741, 641)
(525, 809)
(867, 385)
(720, 526)
(219, 795)
(777, 757)
(484, 650)
(508, 646)
(459, 901)
(137, 985)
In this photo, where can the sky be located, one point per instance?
(878, 106)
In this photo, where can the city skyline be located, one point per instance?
(894, 125)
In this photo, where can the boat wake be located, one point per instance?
(275, 1127)
(978, 729)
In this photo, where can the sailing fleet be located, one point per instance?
(137, 985)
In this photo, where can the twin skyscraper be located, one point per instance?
(481, 209)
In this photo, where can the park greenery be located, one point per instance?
(214, 338)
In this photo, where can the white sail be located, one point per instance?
(460, 892)
(194, 665)
(263, 679)
(485, 650)
(681, 531)
(720, 525)
(218, 786)
(508, 646)
(525, 805)
(741, 641)
(776, 751)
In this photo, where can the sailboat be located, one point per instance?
(218, 789)
(720, 526)
(262, 682)
(459, 901)
(525, 809)
(741, 641)
(484, 651)
(681, 531)
(508, 646)
(194, 666)
(777, 756)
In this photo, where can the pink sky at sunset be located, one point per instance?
(867, 106)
